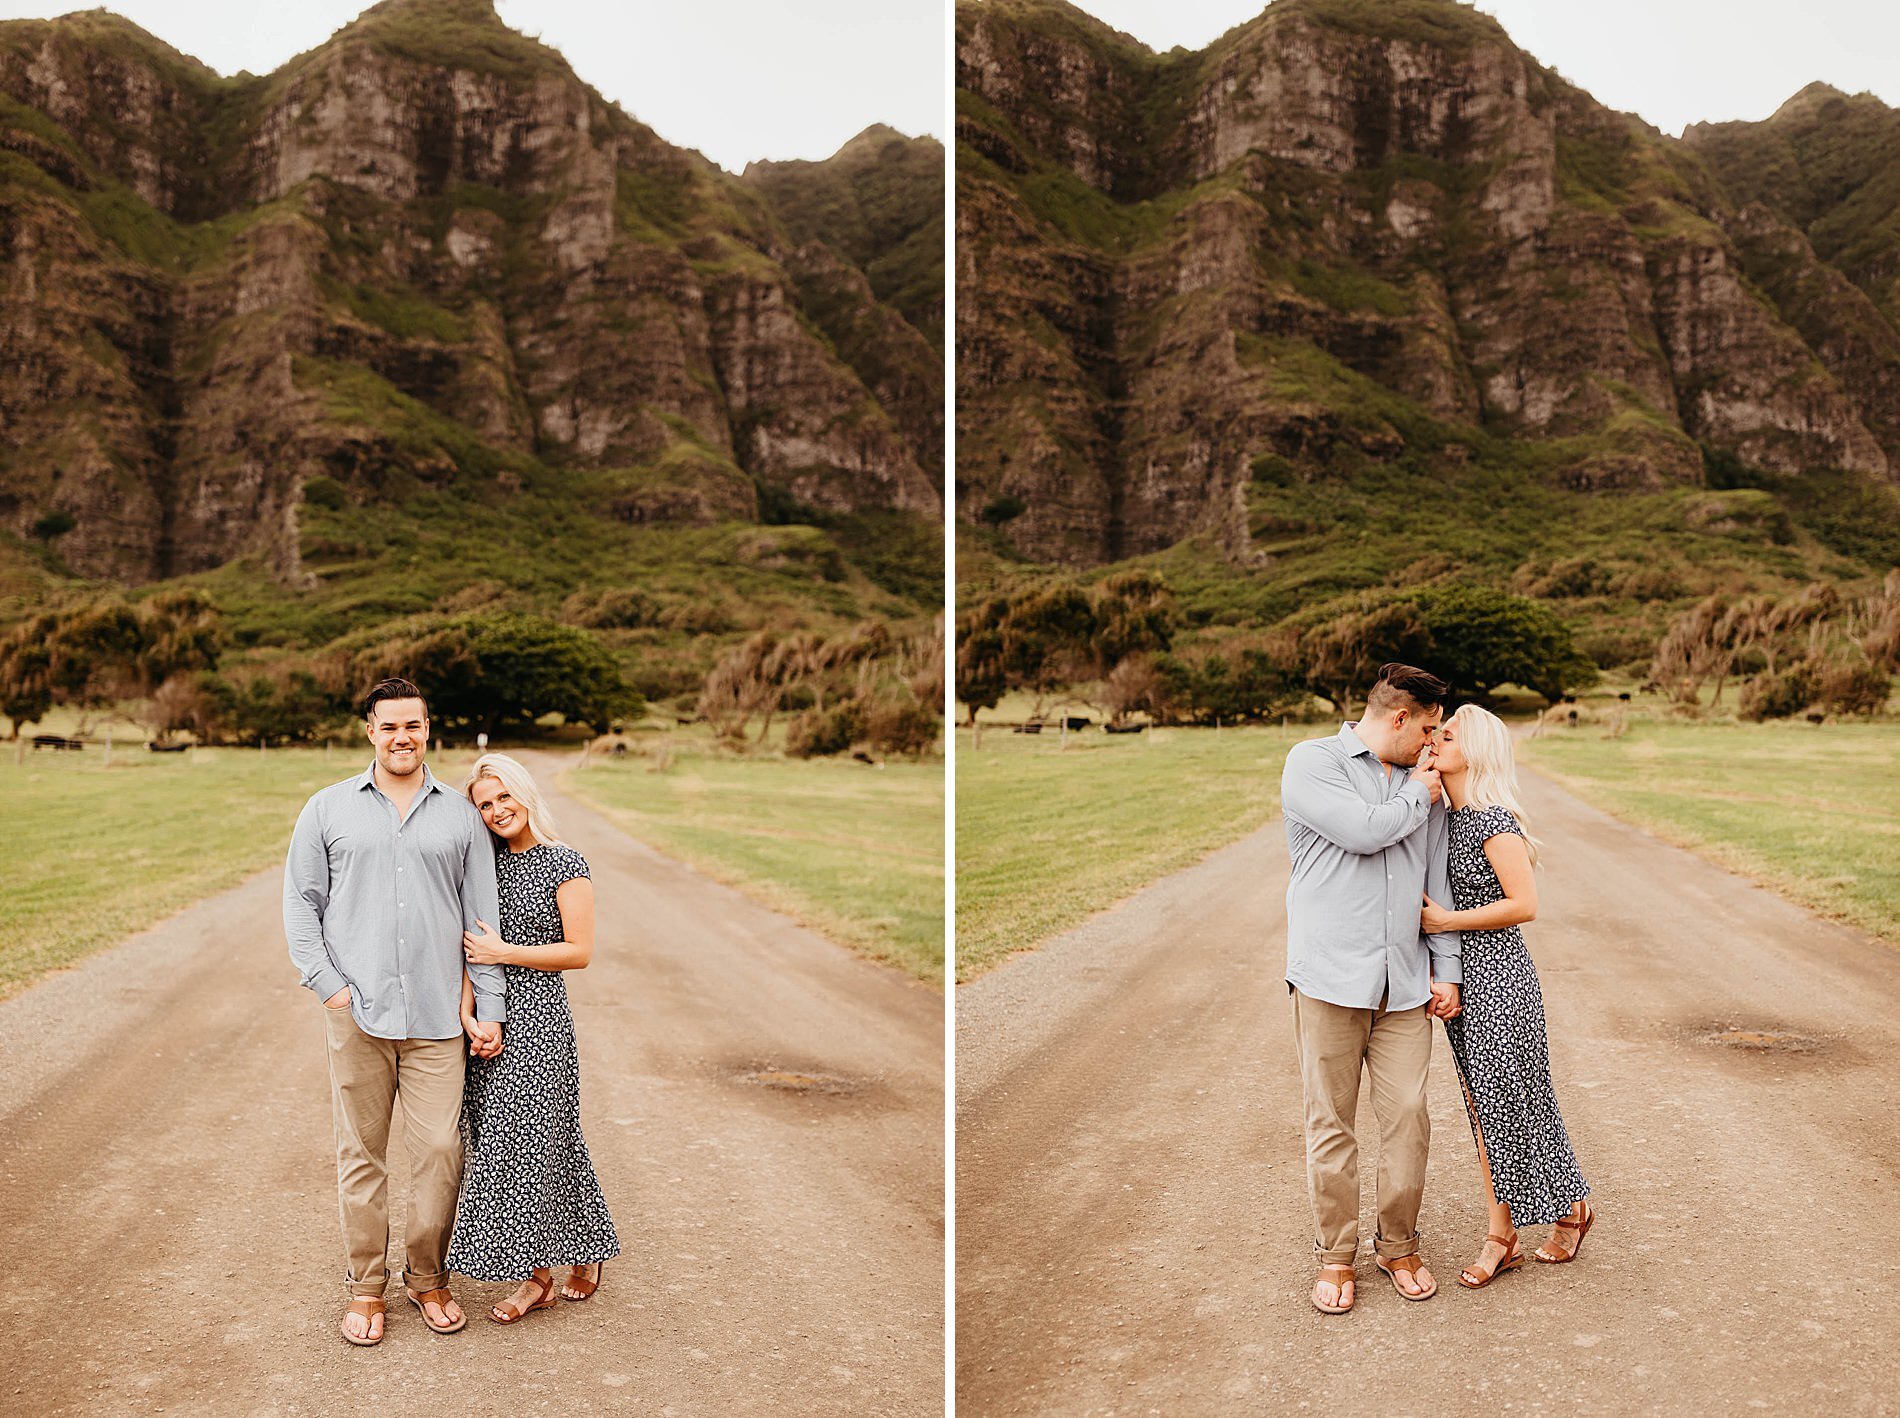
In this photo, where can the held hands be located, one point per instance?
(483, 946)
(1434, 919)
(484, 1039)
(1445, 1002)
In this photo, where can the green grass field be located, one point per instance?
(1808, 811)
(854, 851)
(1048, 835)
(102, 852)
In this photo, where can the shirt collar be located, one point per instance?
(367, 778)
(1349, 736)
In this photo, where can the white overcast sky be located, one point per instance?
(1674, 62)
(737, 79)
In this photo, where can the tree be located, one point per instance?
(26, 673)
(1133, 615)
(1339, 658)
(982, 659)
(1482, 638)
(490, 672)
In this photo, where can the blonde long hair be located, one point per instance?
(519, 782)
(1491, 766)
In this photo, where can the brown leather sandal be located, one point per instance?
(1581, 1227)
(505, 1313)
(368, 1306)
(586, 1287)
(436, 1297)
(1411, 1265)
(1513, 1258)
(1351, 1277)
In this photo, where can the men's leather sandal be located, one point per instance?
(1411, 1265)
(368, 1306)
(1339, 1277)
(440, 1297)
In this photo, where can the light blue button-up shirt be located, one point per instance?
(378, 902)
(1366, 847)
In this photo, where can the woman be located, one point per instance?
(1498, 1041)
(529, 1200)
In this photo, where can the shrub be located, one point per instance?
(1853, 686)
(819, 733)
(54, 524)
(901, 725)
(1776, 696)
(617, 608)
(1006, 508)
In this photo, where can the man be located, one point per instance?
(386, 870)
(1367, 840)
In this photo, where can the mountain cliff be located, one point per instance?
(423, 274)
(1370, 253)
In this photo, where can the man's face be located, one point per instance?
(1412, 730)
(399, 728)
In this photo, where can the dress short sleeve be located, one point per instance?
(1494, 821)
(569, 864)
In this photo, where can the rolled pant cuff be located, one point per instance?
(419, 1283)
(1396, 1250)
(372, 1288)
(1339, 1255)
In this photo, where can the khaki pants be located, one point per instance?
(1333, 1042)
(366, 1075)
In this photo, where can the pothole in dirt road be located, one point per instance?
(1761, 1041)
(785, 1080)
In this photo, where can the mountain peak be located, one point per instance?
(457, 34)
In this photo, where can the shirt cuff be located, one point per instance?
(1447, 969)
(326, 982)
(491, 1009)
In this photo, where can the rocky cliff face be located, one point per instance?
(424, 255)
(1347, 234)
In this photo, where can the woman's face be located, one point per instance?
(1450, 754)
(505, 817)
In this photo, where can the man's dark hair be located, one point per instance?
(391, 689)
(1405, 687)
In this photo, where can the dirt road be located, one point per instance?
(168, 1198)
(1132, 1227)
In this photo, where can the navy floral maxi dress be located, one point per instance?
(529, 1195)
(1500, 1046)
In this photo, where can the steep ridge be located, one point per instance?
(420, 262)
(1348, 239)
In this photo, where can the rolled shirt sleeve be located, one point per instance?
(306, 896)
(481, 901)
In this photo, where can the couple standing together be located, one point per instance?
(1388, 821)
(393, 892)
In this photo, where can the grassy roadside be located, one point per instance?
(853, 851)
(99, 852)
(1807, 811)
(1049, 834)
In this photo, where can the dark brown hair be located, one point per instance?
(1405, 687)
(391, 689)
